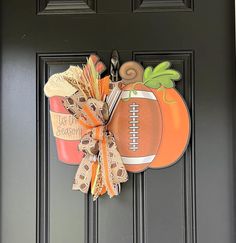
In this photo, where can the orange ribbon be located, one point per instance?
(99, 147)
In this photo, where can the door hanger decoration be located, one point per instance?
(108, 128)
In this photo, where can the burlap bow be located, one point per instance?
(98, 146)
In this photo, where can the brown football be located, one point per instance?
(136, 124)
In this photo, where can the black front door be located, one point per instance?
(191, 201)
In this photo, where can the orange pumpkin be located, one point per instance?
(175, 128)
(172, 133)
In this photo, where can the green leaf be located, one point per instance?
(167, 83)
(147, 73)
(153, 83)
(161, 67)
(161, 75)
(170, 74)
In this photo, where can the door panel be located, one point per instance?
(159, 5)
(113, 214)
(191, 201)
(61, 213)
(170, 206)
(66, 209)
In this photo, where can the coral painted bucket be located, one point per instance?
(66, 131)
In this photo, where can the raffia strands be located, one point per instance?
(86, 83)
(82, 83)
(86, 79)
(94, 76)
(89, 77)
(73, 76)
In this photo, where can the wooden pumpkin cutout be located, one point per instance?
(151, 125)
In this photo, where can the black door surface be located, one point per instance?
(189, 202)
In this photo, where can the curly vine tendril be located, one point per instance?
(164, 96)
(163, 89)
(132, 90)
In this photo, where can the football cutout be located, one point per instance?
(136, 124)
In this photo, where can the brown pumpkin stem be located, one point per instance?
(131, 72)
